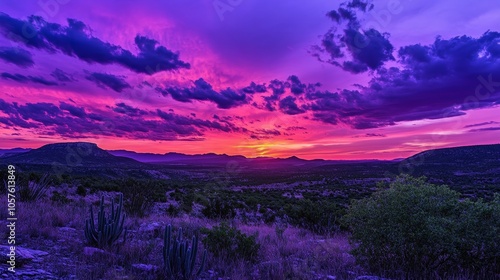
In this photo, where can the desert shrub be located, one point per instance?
(479, 232)
(60, 198)
(81, 190)
(139, 197)
(173, 211)
(230, 243)
(218, 209)
(415, 229)
(320, 216)
(34, 189)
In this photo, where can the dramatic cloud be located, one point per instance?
(481, 124)
(494, 128)
(76, 40)
(73, 110)
(279, 88)
(122, 121)
(104, 80)
(289, 107)
(125, 109)
(255, 88)
(262, 134)
(22, 79)
(62, 76)
(444, 79)
(370, 135)
(17, 56)
(203, 91)
(351, 47)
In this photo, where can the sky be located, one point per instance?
(314, 79)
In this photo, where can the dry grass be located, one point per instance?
(298, 254)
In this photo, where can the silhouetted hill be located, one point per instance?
(72, 154)
(458, 165)
(458, 155)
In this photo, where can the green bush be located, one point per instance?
(81, 190)
(230, 243)
(320, 216)
(415, 229)
(139, 197)
(218, 209)
(60, 198)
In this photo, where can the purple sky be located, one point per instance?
(316, 79)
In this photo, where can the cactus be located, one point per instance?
(108, 228)
(178, 258)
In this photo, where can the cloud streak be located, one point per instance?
(76, 40)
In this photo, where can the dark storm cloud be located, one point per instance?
(289, 107)
(255, 88)
(349, 46)
(279, 88)
(103, 80)
(73, 110)
(62, 76)
(124, 121)
(23, 79)
(444, 79)
(186, 121)
(123, 108)
(76, 40)
(17, 56)
(203, 91)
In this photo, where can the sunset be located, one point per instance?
(250, 139)
(320, 80)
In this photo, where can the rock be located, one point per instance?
(144, 267)
(151, 229)
(90, 251)
(331, 277)
(22, 255)
(66, 229)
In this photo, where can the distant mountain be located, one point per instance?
(73, 154)
(178, 158)
(213, 159)
(9, 152)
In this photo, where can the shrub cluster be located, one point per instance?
(415, 229)
(230, 243)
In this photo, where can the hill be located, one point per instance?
(481, 154)
(72, 154)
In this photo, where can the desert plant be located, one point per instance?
(109, 228)
(419, 230)
(280, 225)
(60, 198)
(81, 190)
(34, 190)
(179, 258)
(229, 242)
(218, 209)
(140, 196)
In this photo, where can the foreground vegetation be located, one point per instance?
(406, 229)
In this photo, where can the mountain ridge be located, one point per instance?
(94, 155)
